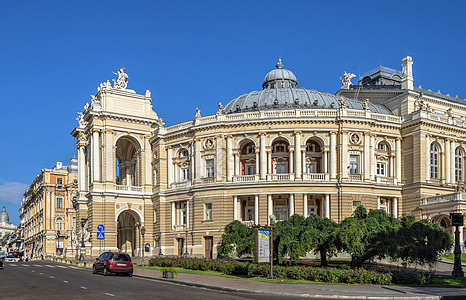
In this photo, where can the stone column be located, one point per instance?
(109, 157)
(81, 168)
(291, 170)
(447, 162)
(197, 160)
(297, 149)
(235, 207)
(229, 158)
(344, 154)
(325, 162)
(257, 163)
(395, 207)
(427, 158)
(237, 164)
(305, 205)
(187, 214)
(327, 206)
(147, 161)
(398, 159)
(96, 156)
(366, 163)
(263, 157)
(173, 215)
(333, 156)
(391, 165)
(453, 161)
(291, 212)
(372, 154)
(269, 162)
(256, 209)
(169, 166)
(269, 208)
(219, 157)
(303, 161)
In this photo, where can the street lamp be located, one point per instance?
(272, 218)
(160, 244)
(83, 222)
(186, 231)
(457, 220)
(143, 231)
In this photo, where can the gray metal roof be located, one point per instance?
(383, 69)
(438, 95)
(288, 98)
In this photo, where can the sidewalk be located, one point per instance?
(308, 290)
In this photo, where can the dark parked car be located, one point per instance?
(113, 262)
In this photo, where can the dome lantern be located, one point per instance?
(280, 78)
(4, 218)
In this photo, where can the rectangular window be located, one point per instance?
(280, 169)
(59, 181)
(209, 168)
(250, 216)
(310, 168)
(250, 169)
(208, 212)
(354, 164)
(184, 174)
(356, 204)
(311, 210)
(59, 202)
(181, 210)
(381, 169)
(281, 213)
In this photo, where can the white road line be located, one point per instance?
(41, 273)
(38, 266)
(74, 267)
(13, 265)
(84, 288)
(51, 276)
(65, 281)
(50, 266)
(63, 267)
(111, 295)
(33, 271)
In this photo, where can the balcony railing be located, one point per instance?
(385, 179)
(355, 177)
(208, 180)
(444, 198)
(128, 188)
(315, 176)
(280, 177)
(247, 223)
(178, 185)
(245, 178)
(181, 227)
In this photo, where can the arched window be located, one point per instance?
(443, 223)
(458, 164)
(59, 224)
(434, 161)
(382, 146)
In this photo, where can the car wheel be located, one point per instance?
(94, 271)
(106, 272)
(130, 274)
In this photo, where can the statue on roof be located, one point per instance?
(220, 109)
(122, 82)
(343, 102)
(365, 104)
(198, 113)
(81, 121)
(346, 80)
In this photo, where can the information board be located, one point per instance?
(263, 245)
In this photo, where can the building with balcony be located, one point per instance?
(48, 217)
(6, 229)
(279, 151)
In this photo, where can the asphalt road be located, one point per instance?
(50, 280)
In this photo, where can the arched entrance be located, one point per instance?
(127, 232)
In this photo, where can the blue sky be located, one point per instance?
(192, 54)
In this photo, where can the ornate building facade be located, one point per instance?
(279, 151)
(48, 217)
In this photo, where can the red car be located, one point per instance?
(113, 262)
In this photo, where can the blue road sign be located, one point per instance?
(100, 227)
(100, 235)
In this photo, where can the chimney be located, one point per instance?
(407, 75)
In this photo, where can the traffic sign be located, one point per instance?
(101, 235)
(29, 248)
(100, 227)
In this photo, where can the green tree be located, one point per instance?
(288, 238)
(319, 236)
(237, 239)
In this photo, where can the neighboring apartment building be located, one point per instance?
(280, 151)
(6, 228)
(47, 213)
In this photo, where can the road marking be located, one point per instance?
(111, 295)
(74, 267)
(84, 288)
(40, 266)
(63, 267)
(13, 265)
(33, 271)
(41, 273)
(65, 281)
(50, 266)
(51, 276)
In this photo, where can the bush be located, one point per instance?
(415, 278)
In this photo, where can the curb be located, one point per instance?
(228, 289)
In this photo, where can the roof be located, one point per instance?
(381, 69)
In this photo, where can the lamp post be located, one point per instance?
(272, 218)
(143, 231)
(160, 244)
(83, 246)
(186, 253)
(57, 245)
(457, 220)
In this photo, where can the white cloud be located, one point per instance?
(12, 192)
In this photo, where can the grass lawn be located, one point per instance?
(439, 280)
(451, 256)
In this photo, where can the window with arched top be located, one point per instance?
(59, 224)
(434, 161)
(249, 148)
(459, 164)
(183, 153)
(382, 146)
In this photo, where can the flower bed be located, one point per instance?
(332, 275)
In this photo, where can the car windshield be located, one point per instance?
(121, 257)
